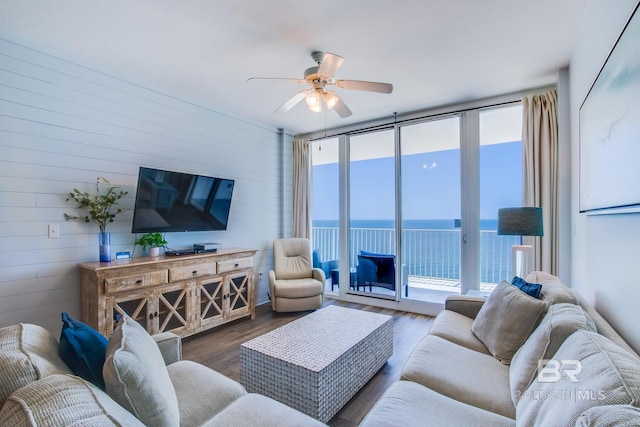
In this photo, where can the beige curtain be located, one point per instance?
(301, 188)
(540, 164)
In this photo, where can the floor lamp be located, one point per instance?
(520, 222)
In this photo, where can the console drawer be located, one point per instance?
(123, 283)
(234, 264)
(181, 273)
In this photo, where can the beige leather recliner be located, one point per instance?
(294, 284)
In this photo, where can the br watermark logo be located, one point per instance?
(552, 371)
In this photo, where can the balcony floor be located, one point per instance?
(422, 288)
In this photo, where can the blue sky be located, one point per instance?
(431, 185)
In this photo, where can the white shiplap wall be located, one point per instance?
(63, 125)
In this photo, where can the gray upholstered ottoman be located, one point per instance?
(318, 362)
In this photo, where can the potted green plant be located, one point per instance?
(154, 241)
(102, 211)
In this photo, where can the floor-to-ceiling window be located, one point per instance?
(431, 214)
(325, 209)
(500, 186)
(372, 213)
(415, 193)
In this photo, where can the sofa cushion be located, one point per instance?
(558, 324)
(136, 376)
(83, 349)
(466, 375)
(409, 404)
(599, 373)
(610, 416)
(506, 320)
(257, 410)
(27, 353)
(553, 291)
(298, 288)
(456, 328)
(602, 326)
(63, 400)
(191, 382)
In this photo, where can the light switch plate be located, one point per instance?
(54, 231)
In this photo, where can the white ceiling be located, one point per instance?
(435, 52)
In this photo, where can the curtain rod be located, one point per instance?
(395, 122)
(433, 113)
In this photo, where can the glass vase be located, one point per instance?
(104, 242)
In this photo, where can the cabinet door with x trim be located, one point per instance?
(239, 294)
(210, 301)
(172, 308)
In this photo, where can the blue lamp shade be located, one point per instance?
(520, 221)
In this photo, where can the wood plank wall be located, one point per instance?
(62, 125)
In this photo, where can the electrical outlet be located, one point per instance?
(260, 276)
(54, 231)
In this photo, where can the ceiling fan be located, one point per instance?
(321, 76)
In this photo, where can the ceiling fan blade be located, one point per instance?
(292, 101)
(342, 109)
(329, 64)
(368, 86)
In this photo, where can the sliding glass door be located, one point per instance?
(431, 213)
(325, 214)
(372, 218)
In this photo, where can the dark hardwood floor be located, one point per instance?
(219, 349)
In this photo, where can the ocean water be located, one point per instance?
(431, 248)
(418, 224)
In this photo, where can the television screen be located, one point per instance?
(174, 201)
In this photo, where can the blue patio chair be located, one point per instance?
(326, 266)
(380, 270)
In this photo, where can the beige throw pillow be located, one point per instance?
(610, 416)
(64, 400)
(506, 320)
(557, 325)
(27, 353)
(597, 373)
(136, 377)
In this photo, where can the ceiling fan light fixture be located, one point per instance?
(313, 99)
(331, 99)
(317, 108)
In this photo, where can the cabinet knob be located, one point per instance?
(150, 316)
(236, 264)
(139, 282)
(194, 272)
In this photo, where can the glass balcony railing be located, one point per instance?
(431, 255)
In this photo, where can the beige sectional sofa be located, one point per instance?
(146, 384)
(471, 369)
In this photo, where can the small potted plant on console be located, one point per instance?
(154, 241)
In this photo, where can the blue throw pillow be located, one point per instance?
(83, 349)
(531, 289)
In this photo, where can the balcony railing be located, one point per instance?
(428, 253)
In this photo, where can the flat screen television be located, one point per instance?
(175, 201)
